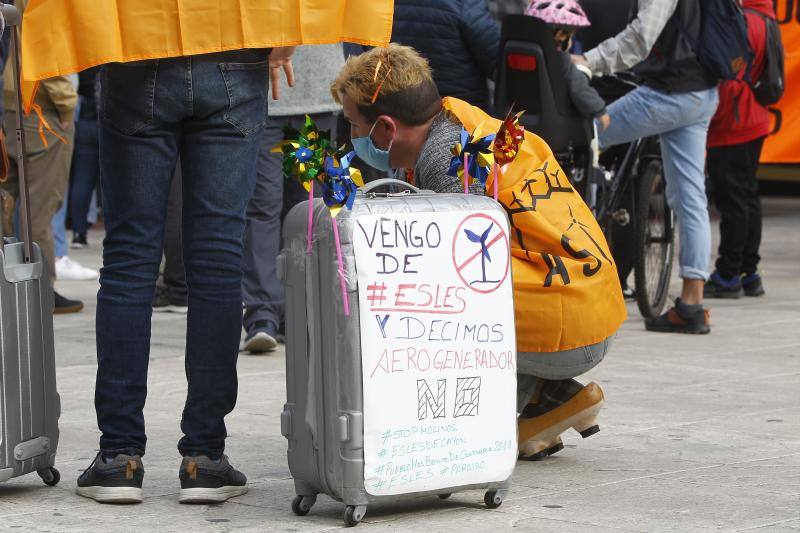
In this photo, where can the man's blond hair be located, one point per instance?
(394, 81)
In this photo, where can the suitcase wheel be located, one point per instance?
(301, 505)
(51, 476)
(444, 496)
(354, 514)
(493, 499)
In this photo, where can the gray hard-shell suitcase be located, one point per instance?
(323, 416)
(29, 403)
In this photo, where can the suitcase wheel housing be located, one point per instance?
(301, 505)
(51, 476)
(354, 514)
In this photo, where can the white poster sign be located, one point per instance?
(438, 350)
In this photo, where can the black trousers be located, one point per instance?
(734, 190)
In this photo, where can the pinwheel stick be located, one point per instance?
(496, 169)
(342, 281)
(310, 217)
(466, 174)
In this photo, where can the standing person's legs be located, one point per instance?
(262, 292)
(218, 161)
(174, 292)
(138, 151)
(751, 257)
(272, 199)
(684, 168)
(728, 177)
(85, 175)
(48, 176)
(60, 229)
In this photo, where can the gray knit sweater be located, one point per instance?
(434, 159)
(315, 67)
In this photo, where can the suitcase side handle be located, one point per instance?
(388, 182)
(10, 15)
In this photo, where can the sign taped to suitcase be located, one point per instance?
(438, 349)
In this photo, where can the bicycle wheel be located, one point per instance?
(655, 241)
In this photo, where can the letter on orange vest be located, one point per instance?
(566, 287)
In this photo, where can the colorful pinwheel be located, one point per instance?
(472, 158)
(304, 152)
(506, 144)
(340, 182)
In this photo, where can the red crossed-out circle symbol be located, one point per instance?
(481, 254)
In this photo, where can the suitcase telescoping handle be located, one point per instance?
(369, 188)
(12, 18)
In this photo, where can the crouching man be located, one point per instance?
(568, 301)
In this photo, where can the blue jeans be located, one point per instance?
(534, 367)
(60, 229)
(85, 173)
(681, 120)
(210, 110)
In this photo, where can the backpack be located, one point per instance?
(769, 87)
(721, 47)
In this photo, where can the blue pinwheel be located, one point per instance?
(479, 157)
(340, 182)
(484, 251)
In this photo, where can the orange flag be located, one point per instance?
(65, 36)
(566, 287)
(781, 145)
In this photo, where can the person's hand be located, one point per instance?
(605, 121)
(579, 60)
(280, 59)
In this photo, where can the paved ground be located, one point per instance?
(699, 433)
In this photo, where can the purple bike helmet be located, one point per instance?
(559, 13)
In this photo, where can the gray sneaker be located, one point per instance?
(207, 481)
(119, 481)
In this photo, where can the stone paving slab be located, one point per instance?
(698, 433)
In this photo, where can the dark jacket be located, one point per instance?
(672, 65)
(459, 38)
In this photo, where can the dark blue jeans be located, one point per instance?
(210, 110)
(85, 173)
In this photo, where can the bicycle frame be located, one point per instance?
(638, 154)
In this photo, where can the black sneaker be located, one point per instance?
(207, 481)
(119, 481)
(752, 284)
(79, 241)
(162, 303)
(65, 305)
(681, 319)
(720, 287)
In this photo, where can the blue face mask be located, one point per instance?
(370, 154)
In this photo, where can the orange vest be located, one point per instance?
(65, 36)
(566, 287)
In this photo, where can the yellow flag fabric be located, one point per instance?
(566, 287)
(65, 36)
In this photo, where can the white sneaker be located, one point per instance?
(69, 270)
(259, 343)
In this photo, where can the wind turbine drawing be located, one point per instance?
(484, 251)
